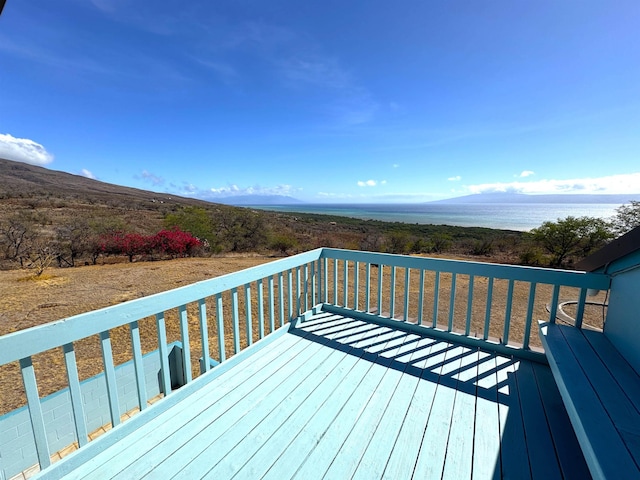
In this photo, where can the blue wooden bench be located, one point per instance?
(601, 392)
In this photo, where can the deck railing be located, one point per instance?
(487, 305)
(482, 304)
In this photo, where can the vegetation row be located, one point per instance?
(37, 238)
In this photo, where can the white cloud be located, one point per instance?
(395, 165)
(87, 173)
(526, 173)
(368, 183)
(23, 150)
(613, 184)
(457, 178)
(149, 177)
(232, 190)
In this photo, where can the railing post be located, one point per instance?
(186, 345)
(220, 318)
(76, 394)
(236, 320)
(138, 364)
(35, 412)
(204, 335)
(164, 354)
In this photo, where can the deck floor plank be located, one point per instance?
(147, 437)
(340, 430)
(401, 463)
(360, 381)
(264, 429)
(183, 443)
(337, 397)
(514, 458)
(220, 434)
(459, 458)
(404, 379)
(570, 457)
(276, 445)
(433, 450)
(536, 429)
(486, 438)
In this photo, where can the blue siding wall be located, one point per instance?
(623, 317)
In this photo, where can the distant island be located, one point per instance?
(510, 198)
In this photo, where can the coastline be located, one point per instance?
(501, 216)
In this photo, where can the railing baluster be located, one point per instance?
(335, 281)
(281, 297)
(380, 275)
(406, 293)
(553, 309)
(138, 365)
(392, 293)
(305, 284)
(420, 296)
(186, 345)
(356, 286)
(290, 280)
(204, 335)
(580, 311)
(507, 313)
(452, 302)
(236, 320)
(527, 324)
(367, 289)
(247, 311)
(325, 280)
(345, 284)
(314, 292)
(260, 308)
(110, 377)
(76, 394)
(272, 311)
(467, 328)
(35, 412)
(436, 298)
(487, 314)
(298, 293)
(220, 319)
(164, 354)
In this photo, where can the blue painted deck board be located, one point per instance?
(337, 397)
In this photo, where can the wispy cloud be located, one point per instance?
(23, 150)
(233, 190)
(367, 183)
(87, 173)
(457, 178)
(613, 184)
(526, 173)
(151, 178)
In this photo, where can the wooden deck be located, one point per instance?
(336, 398)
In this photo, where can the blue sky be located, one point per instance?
(362, 101)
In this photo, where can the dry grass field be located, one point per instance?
(60, 293)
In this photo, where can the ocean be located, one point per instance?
(522, 217)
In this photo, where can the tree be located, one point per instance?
(398, 242)
(14, 237)
(627, 218)
(73, 240)
(572, 237)
(242, 230)
(174, 242)
(194, 220)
